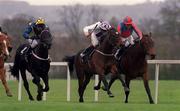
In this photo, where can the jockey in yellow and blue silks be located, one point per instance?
(33, 31)
(32, 34)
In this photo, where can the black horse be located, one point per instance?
(38, 64)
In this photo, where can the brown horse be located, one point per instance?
(102, 62)
(133, 64)
(5, 49)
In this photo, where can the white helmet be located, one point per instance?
(105, 25)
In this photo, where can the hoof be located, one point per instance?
(9, 94)
(39, 97)
(96, 87)
(151, 102)
(46, 89)
(126, 102)
(31, 98)
(111, 95)
(81, 100)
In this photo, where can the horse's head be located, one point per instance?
(114, 37)
(46, 39)
(148, 45)
(5, 46)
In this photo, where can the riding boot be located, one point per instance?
(86, 52)
(27, 53)
(119, 53)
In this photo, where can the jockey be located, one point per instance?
(126, 28)
(94, 32)
(32, 34)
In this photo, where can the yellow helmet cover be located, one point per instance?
(40, 21)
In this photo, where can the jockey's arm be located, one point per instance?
(89, 29)
(137, 31)
(27, 31)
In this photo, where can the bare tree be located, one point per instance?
(70, 18)
(95, 13)
(15, 27)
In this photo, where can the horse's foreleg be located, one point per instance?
(127, 92)
(106, 88)
(113, 78)
(146, 85)
(26, 85)
(46, 82)
(4, 82)
(121, 77)
(36, 80)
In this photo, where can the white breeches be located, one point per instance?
(128, 41)
(33, 42)
(94, 40)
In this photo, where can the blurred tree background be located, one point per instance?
(69, 38)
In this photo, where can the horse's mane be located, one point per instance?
(46, 36)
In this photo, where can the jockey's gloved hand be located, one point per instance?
(30, 41)
(137, 40)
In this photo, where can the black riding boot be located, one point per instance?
(86, 53)
(120, 52)
(26, 52)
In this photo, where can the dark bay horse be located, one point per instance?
(38, 64)
(133, 64)
(102, 62)
(5, 48)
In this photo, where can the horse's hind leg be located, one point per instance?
(4, 82)
(121, 77)
(46, 82)
(26, 85)
(83, 80)
(146, 85)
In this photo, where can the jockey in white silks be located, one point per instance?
(94, 32)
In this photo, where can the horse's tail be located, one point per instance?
(15, 68)
(70, 60)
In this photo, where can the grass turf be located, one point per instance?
(168, 99)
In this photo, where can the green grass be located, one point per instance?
(168, 99)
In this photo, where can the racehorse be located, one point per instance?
(102, 62)
(38, 64)
(133, 64)
(5, 48)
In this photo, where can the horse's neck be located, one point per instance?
(136, 53)
(106, 47)
(41, 52)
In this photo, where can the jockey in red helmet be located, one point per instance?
(126, 28)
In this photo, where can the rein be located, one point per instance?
(104, 54)
(40, 58)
